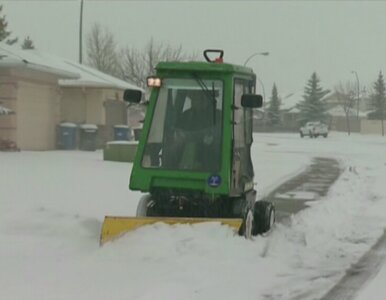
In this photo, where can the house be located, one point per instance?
(44, 90)
(341, 120)
(288, 110)
(289, 114)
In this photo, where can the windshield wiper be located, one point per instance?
(211, 95)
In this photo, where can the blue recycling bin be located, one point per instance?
(137, 133)
(122, 133)
(88, 137)
(67, 136)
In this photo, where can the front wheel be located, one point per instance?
(143, 205)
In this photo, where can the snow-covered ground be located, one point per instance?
(52, 206)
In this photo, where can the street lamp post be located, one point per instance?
(262, 87)
(253, 55)
(356, 75)
(80, 31)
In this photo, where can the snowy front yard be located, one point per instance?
(52, 205)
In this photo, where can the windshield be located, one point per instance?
(185, 132)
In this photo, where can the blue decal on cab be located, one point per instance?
(214, 180)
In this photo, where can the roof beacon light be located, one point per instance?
(153, 81)
(217, 60)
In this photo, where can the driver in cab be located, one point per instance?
(201, 113)
(198, 129)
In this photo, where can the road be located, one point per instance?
(296, 194)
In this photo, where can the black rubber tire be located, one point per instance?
(263, 217)
(143, 205)
(324, 135)
(301, 135)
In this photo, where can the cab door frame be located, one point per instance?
(242, 168)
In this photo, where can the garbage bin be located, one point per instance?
(122, 133)
(88, 137)
(67, 136)
(137, 133)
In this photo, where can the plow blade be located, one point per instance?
(114, 227)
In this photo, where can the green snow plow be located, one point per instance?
(194, 157)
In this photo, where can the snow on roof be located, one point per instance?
(34, 60)
(71, 73)
(90, 77)
(5, 111)
(294, 110)
(289, 101)
(338, 111)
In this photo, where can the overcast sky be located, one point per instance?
(330, 37)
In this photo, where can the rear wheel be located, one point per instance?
(263, 217)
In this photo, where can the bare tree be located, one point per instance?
(102, 50)
(137, 64)
(346, 94)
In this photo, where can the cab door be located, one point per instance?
(242, 167)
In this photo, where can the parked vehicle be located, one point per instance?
(314, 129)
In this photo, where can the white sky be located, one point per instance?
(329, 37)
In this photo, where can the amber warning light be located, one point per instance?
(153, 81)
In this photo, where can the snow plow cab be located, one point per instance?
(193, 161)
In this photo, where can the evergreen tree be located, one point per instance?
(27, 44)
(378, 100)
(273, 111)
(312, 108)
(4, 34)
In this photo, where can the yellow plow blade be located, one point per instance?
(114, 227)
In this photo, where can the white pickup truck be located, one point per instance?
(314, 129)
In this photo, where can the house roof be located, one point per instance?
(290, 100)
(70, 73)
(17, 58)
(90, 77)
(338, 111)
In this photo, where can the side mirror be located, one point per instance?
(132, 96)
(251, 101)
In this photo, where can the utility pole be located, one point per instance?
(80, 31)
